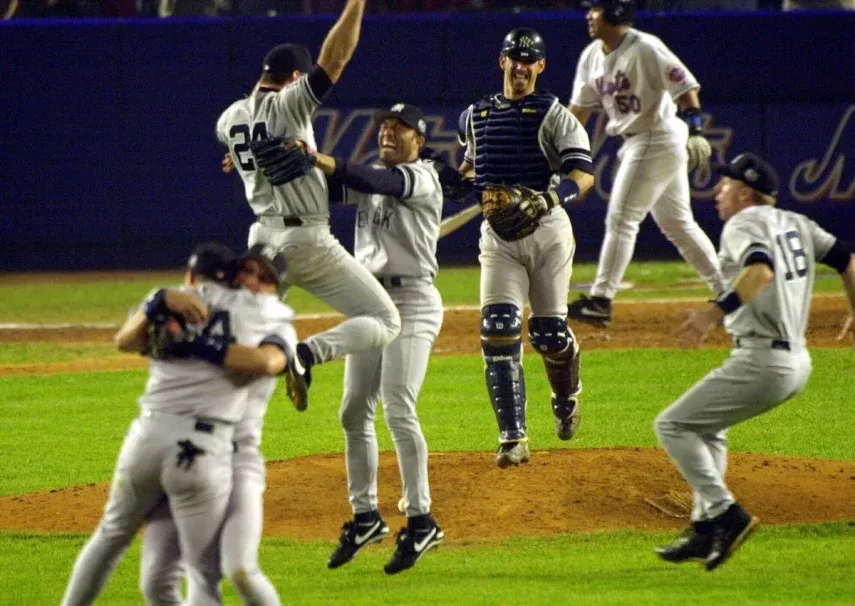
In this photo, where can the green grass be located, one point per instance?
(110, 301)
(785, 565)
(94, 410)
(29, 352)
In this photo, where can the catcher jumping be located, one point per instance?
(527, 155)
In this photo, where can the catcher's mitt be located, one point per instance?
(281, 160)
(507, 210)
(168, 339)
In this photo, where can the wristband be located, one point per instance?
(692, 117)
(729, 303)
(567, 190)
(210, 348)
(155, 305)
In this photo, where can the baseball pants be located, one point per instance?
(693, 430)
(162, 569)
(395, 374)
(536, 268)
(653, 178)
(151, 468)
(319, 264)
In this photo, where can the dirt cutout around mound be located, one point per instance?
(559, 491)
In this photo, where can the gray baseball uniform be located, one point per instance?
(161, 570)
(528, 141)
(769, 363)
(294, 218)
(180, 448)
(635, 85)
(396, 242)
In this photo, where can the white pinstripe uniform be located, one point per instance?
(396, 242)
(635, 85)
(294, 218)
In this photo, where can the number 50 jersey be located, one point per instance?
(793, 243)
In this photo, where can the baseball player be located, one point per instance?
(399, 207)
(527, 142)
(635, 79)
(768, 259)
(260, 271)
(180, 447)
(293, 217)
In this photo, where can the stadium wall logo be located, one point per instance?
(352, 135)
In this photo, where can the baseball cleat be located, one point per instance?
(297, 379)
(596, 311)
(693, 545)
(568, 416)
(411, 545)
(512, 453)
(354, 536)
(402, 505)
(730, 531)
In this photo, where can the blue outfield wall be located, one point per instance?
(108, 157)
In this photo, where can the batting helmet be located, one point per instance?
(615, 12)
(524, 44)
(270, 258)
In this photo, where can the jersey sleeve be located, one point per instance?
(568, 139)
(222, 136)
(821, 239)
(741, 240)
(421, 181)
(297, 100)
(464, 135)
(670, 71)
(583, 93)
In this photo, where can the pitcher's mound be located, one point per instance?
(559, 491)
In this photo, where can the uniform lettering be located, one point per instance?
(240, 136)
(608, 87)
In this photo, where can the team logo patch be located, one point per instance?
(398, 107)
(676, 74)
(422, 125)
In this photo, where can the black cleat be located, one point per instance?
(568, 416)
(412, 545)
(298, 376)
(693, 545)
(730, 530)
(354, 536)
(596, 311)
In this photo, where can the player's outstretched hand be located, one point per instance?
(699, 150)
(694, 330)
(848, 328)
(187, 305)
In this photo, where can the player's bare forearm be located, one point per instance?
(325, 163)
(341, 40)
(131, 337)
(752, 281)
(689, 99)
(467, 170)
(582, 114)
(267, 360)
(584, 180)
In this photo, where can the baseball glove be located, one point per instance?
(168, 339)
(454, 185)
(281, 160)
(512, 211)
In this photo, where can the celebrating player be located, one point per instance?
(768, 258)
(293, 216)
(538, 154)
(398, 216)
(635, 79)
(180, 447)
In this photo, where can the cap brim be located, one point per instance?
(726, 171)
(382, 114)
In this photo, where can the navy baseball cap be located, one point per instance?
(285, 58)
(752, 170)
(214, 261)
(410, 115)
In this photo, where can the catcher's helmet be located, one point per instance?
(615, 12)
(524, 44)
(270, 258)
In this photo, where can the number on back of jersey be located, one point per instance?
(793, 253)
(240, 136)
(219, 325)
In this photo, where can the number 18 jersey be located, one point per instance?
(794, 243)
(635, 84)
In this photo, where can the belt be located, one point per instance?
(388, 282)
(280, 222)
(200, 424)
(763, 343)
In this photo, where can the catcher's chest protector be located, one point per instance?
(507, 144)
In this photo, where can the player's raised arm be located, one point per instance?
(341, 40)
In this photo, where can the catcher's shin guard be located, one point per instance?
(501, 344)
(553, 339)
